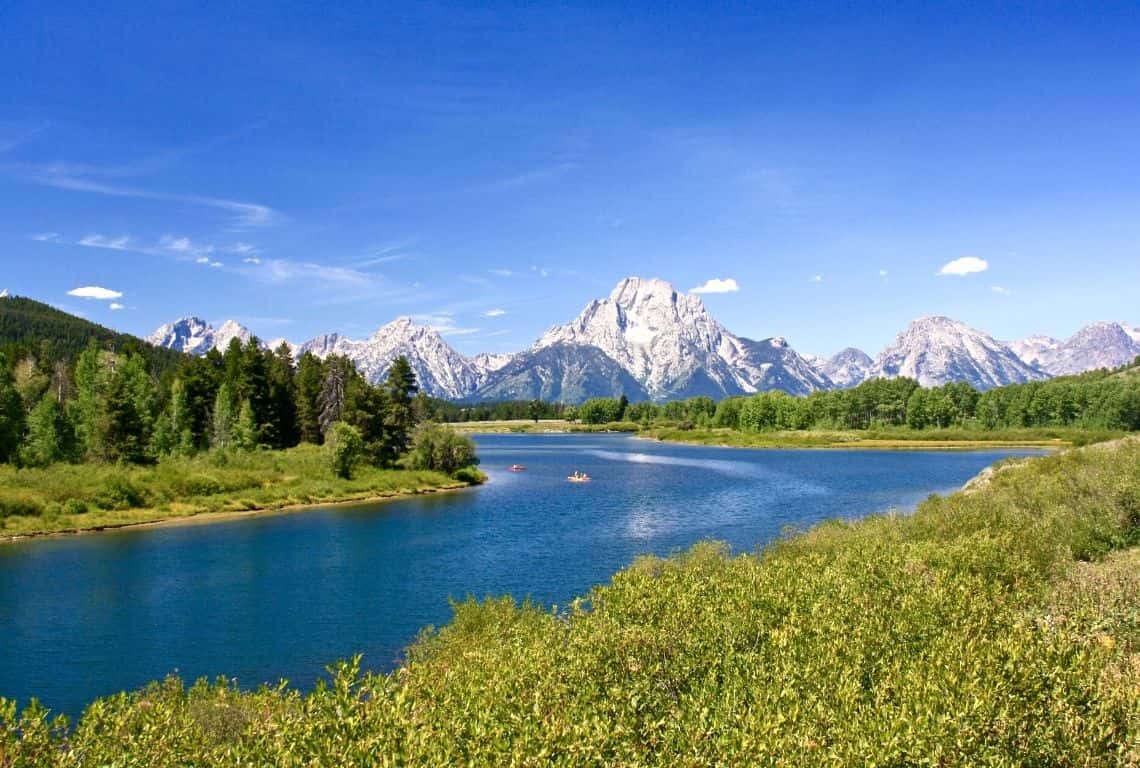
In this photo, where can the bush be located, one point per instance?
(119, 492)
(470, 475)
(441, 449)
(74, 507)
(344, 447)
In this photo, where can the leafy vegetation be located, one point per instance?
(114, 432)
(68, 497)
(991, 628)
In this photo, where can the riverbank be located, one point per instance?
(887, 439)
(989, 628)
(898, 438)
(69, 499)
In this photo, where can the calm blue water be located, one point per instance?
(275, 597)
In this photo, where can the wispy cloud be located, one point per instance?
(46, 237)
(536, 176)
(251, 260)
(444, 323)
(122, 243)
(717, 285)
(115, 306)
(966, 265)
(243, 215)
(501, 272)
(882, 273)
(494, 313)
(202, 260)
(1000, 290)
(281, 270)
(95, 292)
(815, 279)
(184, 246)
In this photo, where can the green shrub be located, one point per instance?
(344, 447)
(440, 449)
(74, 507)
(119, 492)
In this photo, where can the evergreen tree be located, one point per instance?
(47, 439)
(244, 432)
(331, 400)
(282, 399)
(309, 379)
(222, 435)
(11, 415)
(399, 390)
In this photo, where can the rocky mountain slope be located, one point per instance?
(938, 350)
(1099, 345)
(647, 340)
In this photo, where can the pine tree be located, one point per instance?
(222, 435)
(46, 441)
(309, 378)
(331, 400)
(244, 432)
(11, 415)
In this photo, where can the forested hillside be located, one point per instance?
(29, 327)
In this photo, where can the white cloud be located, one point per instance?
(101, 241)
(966, 265)
(216, 264)
(184, 246)
(882, 273)
(816, 279)
(243, 215)
(1000, 290)
(95, 292)
(494, 313)
(501, 272)
(202, 260)
(115, 306)
(243, 248)
(251, 260)
(46, 237)
(717, 285)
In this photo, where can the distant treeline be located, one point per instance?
(120, 406)
(506, 410)
(1104, 399)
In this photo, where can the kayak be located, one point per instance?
(517, 467)
(578, 478)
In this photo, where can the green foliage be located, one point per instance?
(441, 449)
(970, 633)
(344, 447)
(600, 410)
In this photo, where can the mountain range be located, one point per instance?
(648, 341)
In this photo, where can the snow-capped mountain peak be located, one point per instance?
(1097, 345)
(939, 350)
(847, 368)
(191, 335)
(670, 344)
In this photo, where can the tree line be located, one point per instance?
(113, 406)
(1103, 399)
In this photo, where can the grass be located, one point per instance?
(995, 628)
(889, 438)
(67, 497)
(542, 426)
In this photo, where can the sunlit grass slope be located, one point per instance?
(66, 497)
(995, 628)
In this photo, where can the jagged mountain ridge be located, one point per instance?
(670, 343)
(938, 350)
(1097, 345)
(847, 368)
(648, 341)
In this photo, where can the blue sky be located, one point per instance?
(490, 168)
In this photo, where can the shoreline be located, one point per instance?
(206, 518)
(878, 445)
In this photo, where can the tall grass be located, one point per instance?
(83, 496)
(994, 628)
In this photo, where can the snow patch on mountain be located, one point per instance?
(671, 345)
(1098, 345)
(938, 350)
(439, 369)
(847, 368)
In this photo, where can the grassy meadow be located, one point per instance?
(999, 627)
(77, 497)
